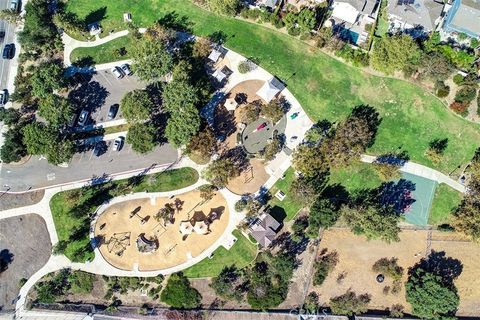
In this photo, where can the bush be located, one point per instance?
(245, 66)
(323, 267)
(459, 107)
(458, 79)
(466, 94)
(81, 282)
(240, 205)
(349, 304)
(388, 267)
(441, 89)
(293, 31)
(179, 294)
(276, 21)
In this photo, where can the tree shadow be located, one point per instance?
(90, 96)
(394, 159)
(218, 37)
(96, 15)
(337, 194)
(83, 62)
(278, 213)
(372, 118)
(287, 246)
(174, 21)
(395, 194)
(440, 265)
(6, 258)
(239, 158)
(438, 145)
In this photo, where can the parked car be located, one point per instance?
(82, 119)
(118, 144)
(2, 35)
(99, 148)
(14, 5)
(117, 72)
(3, 96)
(112, 112)
(126, 69)
(8, 51)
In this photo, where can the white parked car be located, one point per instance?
(82, 119)
(118, 144)
(117, 72)
(126, 69)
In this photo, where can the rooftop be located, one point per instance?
(464, 17)
(416, 13)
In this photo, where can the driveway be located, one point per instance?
(98, 91)
(37, 173)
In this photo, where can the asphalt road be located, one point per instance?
(9, 34)
(37, 173)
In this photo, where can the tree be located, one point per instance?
(182, 126)
(142, 137)
(220, 171)
(298, 228)
(179, 95)
(325, 264)
(55, 109)
(388, 165)
(435, 66)
(273, 110)
(272, 148)
(307, 19)
(226, 285)
(151, 60)
(69, 22)
(179, 294)
(13, 148)
(349, 304)
(203, 145)
(136, 106)
(10, 16)
(324, 213)
(207, 192)
(429, 297)
(226, 7)
(9, 116)
(44, 140)
(249, 113)
(394, 53)
(308, 160)
(373, 222)
(388, 267)
(46, 78)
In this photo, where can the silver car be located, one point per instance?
(117, 72)
(126, 69)
(82, 119)
(118, 144)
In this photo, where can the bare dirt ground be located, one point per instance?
(357, 255)
(10, 201)
(120, 232)
(250, 180)
(26, 241)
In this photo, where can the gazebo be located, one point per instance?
(231, 104)
(270, 89)
(217, 53)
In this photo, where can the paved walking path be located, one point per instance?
(423, 171)
(71, 44)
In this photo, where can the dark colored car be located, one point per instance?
(99, 148)
(8, 51)
(2, 35)
(112, 112)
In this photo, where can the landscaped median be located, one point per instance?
(325, 87)
(71, 209)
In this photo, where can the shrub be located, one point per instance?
(276, 21)
(459, 107)
(323, 267)
(244, 66)
(388, 267)
(240, 205)
(349, 303)
(441, 89)
(466, 94)
(458, 79)
(81, 282)
(293, 31)
(179, 294)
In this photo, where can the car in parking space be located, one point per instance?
(3, 96)
(8, 51)
(118, 144)
(126, 69)
(117, 72)
(82, 119)
(14, 5)
(112, 112)
(99, 148)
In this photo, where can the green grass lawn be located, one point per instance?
(325, 87)
(445, 201)
(107, 52)
(288, 205)
(240, 254)
(70, 211)
(358, 175)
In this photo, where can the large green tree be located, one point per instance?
(220, 171)
(136, 106)
(46, 78)
(142, 137)
(55, 109)
(324, 213)
(227, 7)
(227, 284)
(182, 126)
(179, 95)
(151, 60)
(394, 53)
(13, 148)
(179, 294)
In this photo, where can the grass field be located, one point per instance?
(288, 205)
(325, 87)
(445, 201)
(73, 228)
(107, 52)
(241, 254)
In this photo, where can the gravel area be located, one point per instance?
(26, 241)
(10, 201)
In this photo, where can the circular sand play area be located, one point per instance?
(131, 237)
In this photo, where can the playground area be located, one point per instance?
(250, 179)
(417, 213)
(356, 256)
(158, 233)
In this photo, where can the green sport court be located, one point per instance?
(423, 195)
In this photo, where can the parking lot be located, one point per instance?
(97, 92)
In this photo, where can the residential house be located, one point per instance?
(304, 3)
(350, 18)
(463, 18)
(269, 4)
(264, 229)
(415, 17)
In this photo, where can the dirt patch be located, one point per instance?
(26, 241)
(250, 180)
(248, 89)
(357, 255)
(10, 200)
(118, 230)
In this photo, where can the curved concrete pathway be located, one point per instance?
(423, 171)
